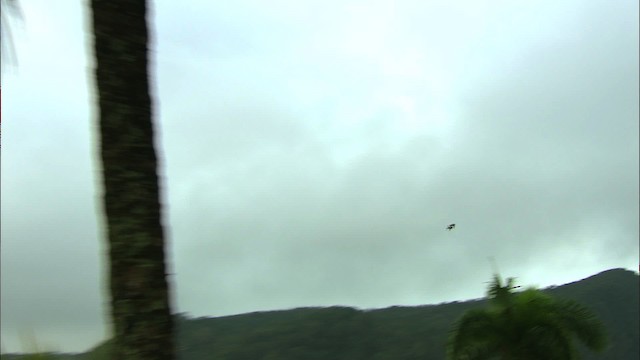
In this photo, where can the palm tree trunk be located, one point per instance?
(140, 305)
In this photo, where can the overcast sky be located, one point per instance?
(313, 153)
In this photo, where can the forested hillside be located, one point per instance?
(395, 333)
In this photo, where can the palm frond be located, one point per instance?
(11, 7)
(525, 325)
(478, 331)
(584, 324)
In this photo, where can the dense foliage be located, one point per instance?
(395, 333)
(525, 325)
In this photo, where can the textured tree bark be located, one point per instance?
(139, 290)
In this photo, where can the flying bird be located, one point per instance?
(451, 226)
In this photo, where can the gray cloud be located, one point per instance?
(314, 157)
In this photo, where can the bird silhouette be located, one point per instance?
(451, 226)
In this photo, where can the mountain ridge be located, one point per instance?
(395, 332)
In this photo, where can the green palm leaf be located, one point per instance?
(522, 326)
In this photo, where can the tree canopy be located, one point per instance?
(525, 325)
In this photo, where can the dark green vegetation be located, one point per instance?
(527, 325)
(394, 333)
